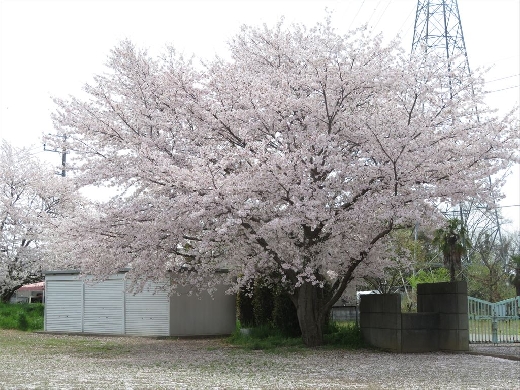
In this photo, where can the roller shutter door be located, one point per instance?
(63, 305)
(147, 313)
(103, 310)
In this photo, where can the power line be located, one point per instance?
(378, 20)
(374, 11)
(497, 207)
(503, 78)
(500, 60)
(405, 21)
(503, 89)
(357, 13)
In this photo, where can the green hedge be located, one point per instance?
(269, 306)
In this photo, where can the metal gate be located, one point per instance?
(494, 322)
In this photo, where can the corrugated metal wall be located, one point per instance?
(63, 305)
(73, 305)
(147, 313)
(103, 307)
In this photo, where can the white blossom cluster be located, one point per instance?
(33, 201)
(295, 159)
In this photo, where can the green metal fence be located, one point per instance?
(494, 322)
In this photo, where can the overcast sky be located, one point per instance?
(52, 48)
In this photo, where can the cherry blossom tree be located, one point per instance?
(32, 198)
(294, 159)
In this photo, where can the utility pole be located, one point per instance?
(63, 153)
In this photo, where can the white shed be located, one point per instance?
(79, 306)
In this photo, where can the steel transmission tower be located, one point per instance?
(438, 32)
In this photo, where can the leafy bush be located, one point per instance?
(344, 335)
(21, 316)
(284, 314)
(245, 311)
(268, 305)
(429, 276)
(22, 322)
(262, 303)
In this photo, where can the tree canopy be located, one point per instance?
(294, 159)
(32, 199)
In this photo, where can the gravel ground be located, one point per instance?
(44, 361)
(507, 351)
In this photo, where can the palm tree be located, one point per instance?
(453, 243)
(515, 279)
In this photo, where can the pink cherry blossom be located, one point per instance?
(295, 159)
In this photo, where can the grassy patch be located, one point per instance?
(21, 316)
(340, 335)
(263, 337)
(45, 345)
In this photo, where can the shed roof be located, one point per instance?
(40, 286)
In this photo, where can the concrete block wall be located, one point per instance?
(380, 320)
(419, 332)
(441, 321)
(450, 300)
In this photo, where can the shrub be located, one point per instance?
(22, 322)
(284, 315)
(344, 335)
(262, 303)
(246, 315)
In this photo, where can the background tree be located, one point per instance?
(453, 242)
(486, 266)
(32, 197)
(488, 271)
(405, 252)
(514, 262)
(267, 305)
(416, 260)
(515, 277)
(297, 158)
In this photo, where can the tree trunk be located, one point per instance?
(311, 317)
(6, 295)
(452, 272)
(516, 281)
